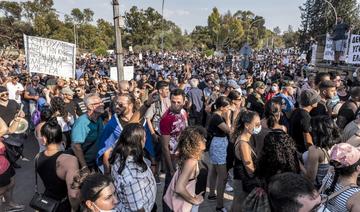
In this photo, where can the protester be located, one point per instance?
(325, 134)
(191, 146)
(97, 192)
(7, 173)
(346, 160)
(172, 123)
(134, 182)
(300, 121)
(86, 132)
(219, 128)
(247, 124)
(57, 169)
(292, 192)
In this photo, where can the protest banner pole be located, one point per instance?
(118, 49)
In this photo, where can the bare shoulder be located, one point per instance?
(67, 160)
(353, 204)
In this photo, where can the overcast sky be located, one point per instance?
(189, 13)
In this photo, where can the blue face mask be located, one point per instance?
(256, 130)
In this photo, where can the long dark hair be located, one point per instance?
(244, 117)
(340, 171)
(277, 156)
(129, 144)
(51, 130)
(272, 112)
(325, 132)
(221, 101)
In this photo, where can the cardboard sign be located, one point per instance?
(48, 56)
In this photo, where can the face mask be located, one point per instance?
(274, 88)
(113, 210)
(138, 78)
(256, 130)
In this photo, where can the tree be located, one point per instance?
(318, 18)
(277, 30)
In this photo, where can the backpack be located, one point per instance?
(36, 116)
(257, 201)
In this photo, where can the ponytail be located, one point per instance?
(331, 189)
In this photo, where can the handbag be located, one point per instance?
(173, 200)
(41, 202)
(257, 201)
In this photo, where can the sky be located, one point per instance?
(189, 13)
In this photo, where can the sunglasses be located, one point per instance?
(4, 94)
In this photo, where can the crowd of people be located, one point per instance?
(270, 130)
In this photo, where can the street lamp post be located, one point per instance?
(247, 33)
(118, 49)
(334, 9)
(162, 26)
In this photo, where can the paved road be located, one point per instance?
(25, 181)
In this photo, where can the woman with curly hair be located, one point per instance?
(278, 156)
(325, 134)
(65, 119)
(190, 148)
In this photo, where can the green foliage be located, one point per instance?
(318, 17)
(101, 51)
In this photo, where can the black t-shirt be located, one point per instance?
(300, 122)
(8, 113)
(213, 128)
(320, 110)
(255, 104)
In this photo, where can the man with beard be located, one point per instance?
(123, 113)
(33, 93)
(79, 100)
(172, 123)
(86, 132)
(327, 90)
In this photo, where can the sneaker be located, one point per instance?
(24, 159)
(14, 207)
(228, 188)
(221, 209)
(157, 179)
(212, 198)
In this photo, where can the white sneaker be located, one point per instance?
(221, 210)
(228, 188)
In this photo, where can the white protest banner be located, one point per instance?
(313, 54)
(354, 50)
(113, 73)
(128, 73)
(329, 53)
(48, 56)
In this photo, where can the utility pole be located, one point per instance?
(162, 27)
(118, 49)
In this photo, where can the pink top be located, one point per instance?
(4, 163)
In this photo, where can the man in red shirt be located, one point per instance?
(172, 123)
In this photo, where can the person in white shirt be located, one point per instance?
(15, 89)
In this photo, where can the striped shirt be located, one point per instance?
(339, 202)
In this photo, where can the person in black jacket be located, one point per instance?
(255, 100)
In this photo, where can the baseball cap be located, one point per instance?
(67, 90)
(309, 97)
(232, 84)
(345, 154)
(259, 84)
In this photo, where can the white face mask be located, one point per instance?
(113, 210)
(256, 130)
